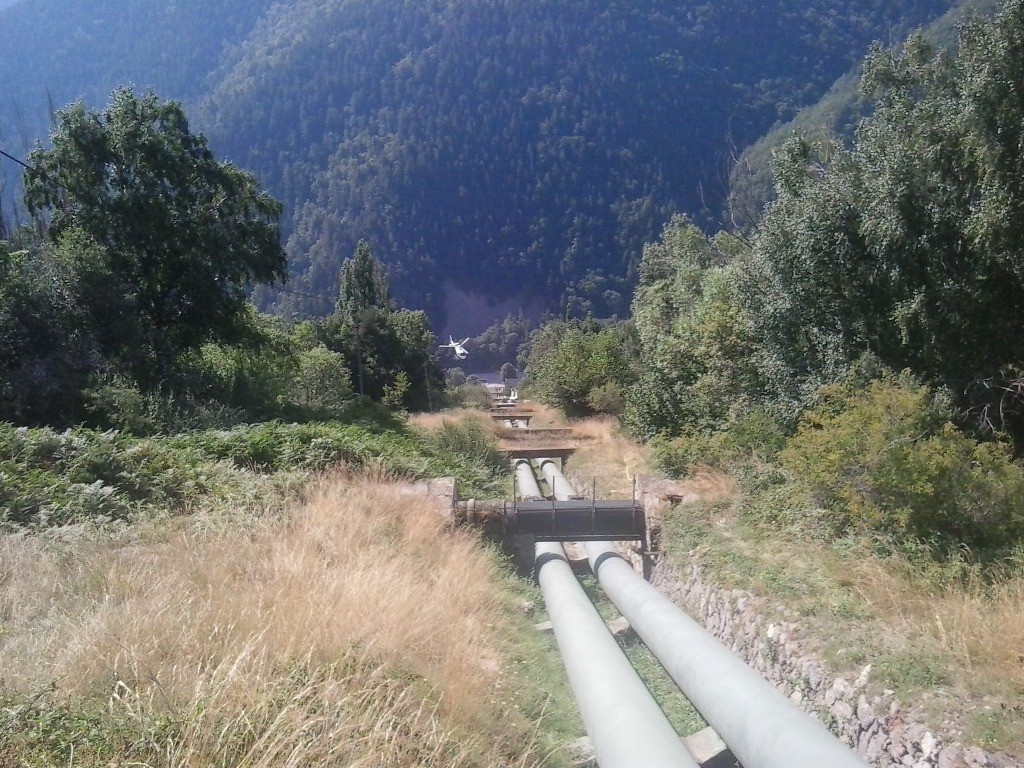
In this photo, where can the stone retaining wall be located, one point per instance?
(878, 727)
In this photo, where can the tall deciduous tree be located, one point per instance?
(910, 245)
(391, 351)
(580, 367)
(183, 234)
(365, 288)
(699, 361)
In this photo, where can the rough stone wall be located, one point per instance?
(878, 727)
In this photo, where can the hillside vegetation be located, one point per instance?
(344, 629)
(836, 113)
(855, 366)
(539, 142)
(853, 361)
(70, 50)
(542, 143)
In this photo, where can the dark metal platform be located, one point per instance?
(561, 452)
(576, 520)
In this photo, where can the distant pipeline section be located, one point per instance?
(761, 726)
(555, 514)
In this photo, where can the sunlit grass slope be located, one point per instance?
(345, 630)
(947, 637)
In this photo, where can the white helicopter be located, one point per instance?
(456, 347)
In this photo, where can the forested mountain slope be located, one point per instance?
(506, 149)
(502, 145)
(55, 52)
(837, 112)
(64, 50)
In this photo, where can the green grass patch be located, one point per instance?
(50, 478)
(41, 732)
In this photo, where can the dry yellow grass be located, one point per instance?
(606, 456)
(345, 631)
(432, 422)
(978, 625)
(545, 415)
(949, 642)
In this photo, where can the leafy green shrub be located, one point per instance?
(468, 440)
(114, 402)
(758, 433)
(754, 435)
(396, 390)
(50, 478)
(573, 366)
(606, 398)
(678, 456)
(454, 377)
(699, 360)
(887, 459)
(322, 381)
(255, 378)
(468, 396)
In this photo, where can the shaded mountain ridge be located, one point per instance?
(510, 151)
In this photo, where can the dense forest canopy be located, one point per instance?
(837, 112)
(70, 50)
(125, 305)
(497, 145)
(486, 144)
(855, 362)
(905, 246)
(83, 50)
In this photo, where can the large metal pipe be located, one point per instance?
(625, 724)
(762, 727)
(526, 481)
(560, 487)
(626, 727)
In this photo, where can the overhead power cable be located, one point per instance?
(19, 162)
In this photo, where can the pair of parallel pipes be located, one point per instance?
(625, 725)
(762, 728)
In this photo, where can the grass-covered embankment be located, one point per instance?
(50, 478)
(896, 536)
(226, 605)
(942, 628)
